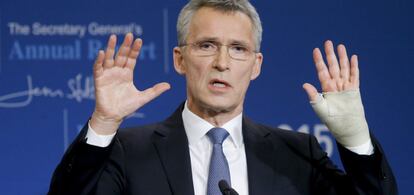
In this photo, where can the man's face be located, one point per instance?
(217, 83)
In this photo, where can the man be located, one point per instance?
(208, 139)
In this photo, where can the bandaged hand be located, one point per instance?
(339, 105)
(343, 114)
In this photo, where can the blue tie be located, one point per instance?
(219, 169)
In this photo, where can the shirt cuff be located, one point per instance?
(92, 138)
(365, 149)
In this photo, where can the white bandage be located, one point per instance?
(343, 114)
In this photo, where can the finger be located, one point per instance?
(153, 92)
(331, 59)
(97, 67)
(343, 62)
(311, 91)
(354, 76)
(133, 54)
(109, 53)
(121, 56)
(323, 72)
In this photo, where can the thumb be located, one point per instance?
(153, 92)
(311, 91)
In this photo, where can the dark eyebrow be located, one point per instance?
(215, 39)
(238, 42)
(207, 39)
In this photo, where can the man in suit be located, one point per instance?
(208, 139)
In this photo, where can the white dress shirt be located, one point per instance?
(200, 149)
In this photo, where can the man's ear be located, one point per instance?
(179, 61)
(257, 66)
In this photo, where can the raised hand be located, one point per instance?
(115, 92)
(339, 106)
(337, 76)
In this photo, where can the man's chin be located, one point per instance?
(219, 106)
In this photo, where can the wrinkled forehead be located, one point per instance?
(220, 25)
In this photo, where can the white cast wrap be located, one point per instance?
(343, 114)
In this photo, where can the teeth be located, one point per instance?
(219, 85)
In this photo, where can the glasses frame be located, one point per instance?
(219, 46)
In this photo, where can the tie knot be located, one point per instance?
(217, 135)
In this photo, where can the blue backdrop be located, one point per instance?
(46, 86)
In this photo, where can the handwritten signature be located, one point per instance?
(80, 88)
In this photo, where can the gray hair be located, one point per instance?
(242, 6)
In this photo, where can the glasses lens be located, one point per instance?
(208, 48)
(239, 52)
(204, 49)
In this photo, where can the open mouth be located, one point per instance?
(219, 83)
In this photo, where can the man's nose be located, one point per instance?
(223, 59)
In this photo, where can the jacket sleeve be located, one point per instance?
(365, 174)
(80, 168)
(372, 173)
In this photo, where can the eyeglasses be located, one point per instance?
(211, 48)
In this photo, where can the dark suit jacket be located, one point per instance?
(155, 159)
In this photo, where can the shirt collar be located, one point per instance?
(196, 127)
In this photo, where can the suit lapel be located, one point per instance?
(171, 143)
(260, 157)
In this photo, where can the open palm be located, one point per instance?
(116, 94)
(337, 76)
